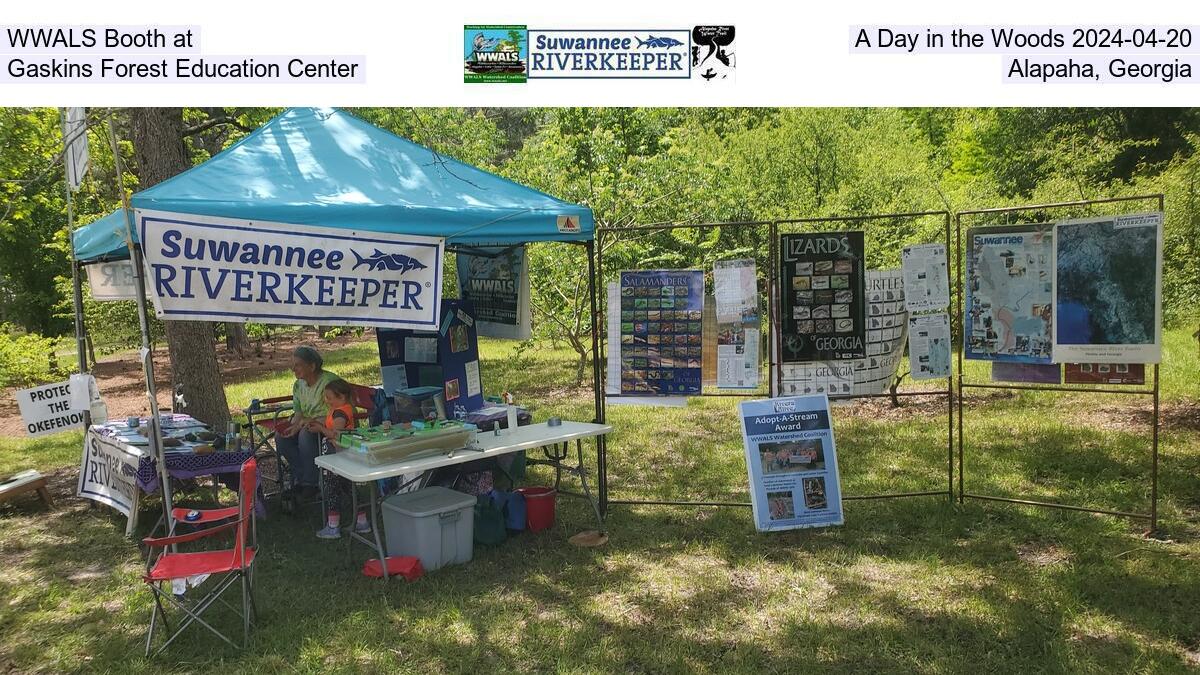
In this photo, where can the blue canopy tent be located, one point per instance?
(325, 167)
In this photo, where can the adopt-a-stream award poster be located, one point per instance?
(792, 461)
(660, 332)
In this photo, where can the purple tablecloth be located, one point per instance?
(188, 465)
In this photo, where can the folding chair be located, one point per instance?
(264, 422)
(234, 565)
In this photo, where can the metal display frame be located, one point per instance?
(1153, 392)
(774, 369)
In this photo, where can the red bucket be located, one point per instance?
(539, 506)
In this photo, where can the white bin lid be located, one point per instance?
(430, 501)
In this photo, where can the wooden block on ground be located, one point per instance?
(26, 481)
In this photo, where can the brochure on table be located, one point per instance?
(792, 462)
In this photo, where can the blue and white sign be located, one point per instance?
(222, 269)
(610, 54)
(792, 461)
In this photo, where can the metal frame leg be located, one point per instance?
(375, 529)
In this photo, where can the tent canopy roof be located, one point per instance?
(323, 166)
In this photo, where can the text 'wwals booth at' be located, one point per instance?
(321, 218)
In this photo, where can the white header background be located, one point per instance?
(787, 54)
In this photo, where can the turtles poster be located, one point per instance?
(660, 332)
(823, 297)
(1108, 289)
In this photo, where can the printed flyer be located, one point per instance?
(926, 279)
(791, 458)
(735, 287)
(660, 332)
(929, 346)
(823, 297)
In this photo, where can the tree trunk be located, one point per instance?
(160, 152)
(236, 339)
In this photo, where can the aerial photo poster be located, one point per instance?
(660, 332)
(887, 323)
(1108, 289)
(1009, 288)
(823, 297)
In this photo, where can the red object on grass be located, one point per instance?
(539, 507)
(406, 566)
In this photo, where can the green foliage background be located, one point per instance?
(658, 165)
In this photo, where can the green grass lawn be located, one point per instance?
(907, 585)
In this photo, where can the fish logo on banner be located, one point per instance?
(224, 269)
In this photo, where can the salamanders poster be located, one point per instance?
(792, 461)
(1010, 283)
(1108, 289)
(660, 332)
(823, 297)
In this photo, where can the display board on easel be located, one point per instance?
(446, 358)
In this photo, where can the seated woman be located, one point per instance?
(298, 445)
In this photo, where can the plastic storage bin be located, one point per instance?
(434, 524)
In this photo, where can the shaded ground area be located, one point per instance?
(908, 585)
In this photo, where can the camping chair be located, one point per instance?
(264, 422)
(234, 565)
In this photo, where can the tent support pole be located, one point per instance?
(598, 396)
(139, 279)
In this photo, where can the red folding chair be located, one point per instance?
(229, 566)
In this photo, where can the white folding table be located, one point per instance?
(555, 440)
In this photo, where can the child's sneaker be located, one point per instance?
(361, 526)
(330, 532)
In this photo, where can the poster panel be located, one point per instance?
(111, 281)
(1009, 293)
(224, 269)
(887, 328)
(1105, 373)
(48, 409)
(929, 346)
(496, 281)
(926, 279)
(735, 290)
(108, 472)
(791, 459)
(823, 297)
(1108, 289)
(660, 332)
(1038, 373)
